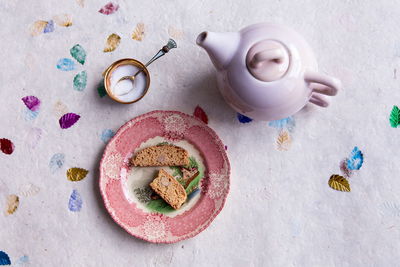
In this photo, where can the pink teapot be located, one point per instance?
(267, 71)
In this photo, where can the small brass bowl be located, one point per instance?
(126, 61)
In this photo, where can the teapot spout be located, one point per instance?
(221, 47)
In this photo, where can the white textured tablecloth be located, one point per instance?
(280, 210)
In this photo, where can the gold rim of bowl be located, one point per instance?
(125, 61)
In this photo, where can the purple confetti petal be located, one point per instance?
(69, 119)
(109, 8)
(31, 102)
(75, 201)
(49, 27)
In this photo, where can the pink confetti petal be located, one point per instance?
(33, 137)
(109, 8)
(69, 119)
(31, 102)
(199, 113)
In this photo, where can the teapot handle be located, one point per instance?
(324, 84)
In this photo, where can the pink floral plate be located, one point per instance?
(125, 189)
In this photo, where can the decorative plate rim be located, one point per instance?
(212, 217)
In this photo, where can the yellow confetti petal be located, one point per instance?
(76, 174)
(138, 32)
(112, 42)
(37, 27)
(175, 33)
(339, 183)
(283, 141)
(64, 20)
(12, 204)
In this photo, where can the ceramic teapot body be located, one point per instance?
(266, 71)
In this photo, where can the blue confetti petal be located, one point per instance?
(30, 115)
(356, 159)
(4, 259)
(106, 135)
(65, 64)
(49, 27)
(23, 259)
(75, 201)
(288, 123)
(56, 162)
(243, 118)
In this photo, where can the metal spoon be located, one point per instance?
(165, 49)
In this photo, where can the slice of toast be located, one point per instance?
(169, 189)
(161, 155)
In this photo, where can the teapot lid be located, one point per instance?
(268, 60)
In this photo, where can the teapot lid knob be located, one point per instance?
(268, 60)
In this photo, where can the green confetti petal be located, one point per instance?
(78, 53)
(101, 89)
(395, 117)
(80, 81)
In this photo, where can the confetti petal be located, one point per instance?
(29, 114)
(33, 137)
(49, 27)
(56, 162)
(4, 259)
(243, 118)
(60, 109)
(69, 119)
(175, 33)
(109, 8)
(38, 27)
(75, 201)
(343, 167)
(12, 204)
(101, 89)
(29, 190)
(283, 141)
(80, 81)
(65, 64)
(31, 102)
(356, 159)
(81, 3)
(288, 123)
(6, 146)
(394, 117)
(138, 32)
(76, 174)
(22, 260)
(390, 208)
(339, 183)
(199, 113)
(106, 135)
(112, 42)
(64, 20)
(78, 53)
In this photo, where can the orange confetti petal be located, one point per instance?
(64, 20)
(37, 27)
(12, 204)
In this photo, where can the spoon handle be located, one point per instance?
(171, 44)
